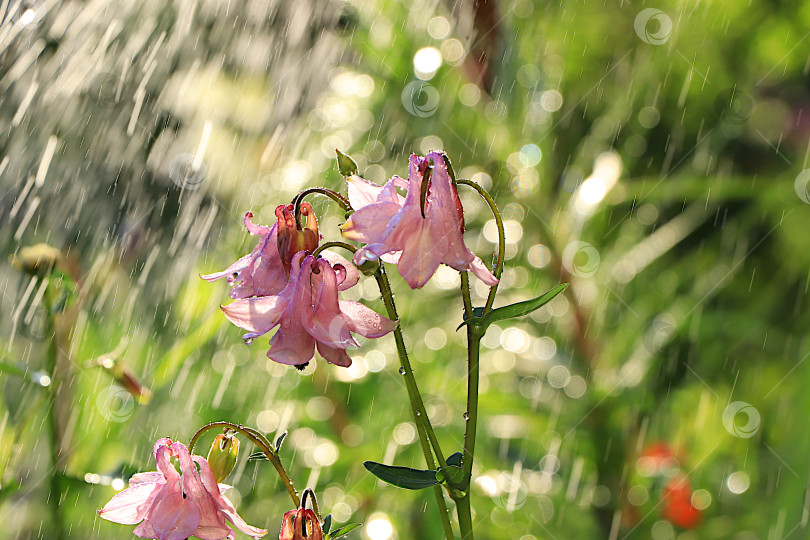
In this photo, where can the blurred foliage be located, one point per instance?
(688, 276)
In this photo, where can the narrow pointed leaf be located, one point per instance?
(327, 524)
(257, 456)
(280, 441)
(344, 530)
(516, 310)
(403, 477)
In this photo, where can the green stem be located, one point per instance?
(501, 237)
(465, 516)
(55, 499)
(471, 416)
(427, 437)
(327, 245)
(263, 444)
(334, 195)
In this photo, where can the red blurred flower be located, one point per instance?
(678, 508)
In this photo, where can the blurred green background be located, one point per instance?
(653, 155)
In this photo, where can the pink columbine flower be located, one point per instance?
(423, 237)
(174, 506)
(266, 269)
(308, 313)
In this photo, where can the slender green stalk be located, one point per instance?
(327, 245)
(471, 416)
(501, 238)
(465, 516)
(427, 437)
(334, 195)
(55, 498)
(263, 444)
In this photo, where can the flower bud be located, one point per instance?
(346, 165)
(293, 238)
(301, 524)
(37, 259)
(222, 456)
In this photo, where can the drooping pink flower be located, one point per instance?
(300, 524)
(174, 506)
(308, 313)
(423, 235)
(259, 272)
(266, 269)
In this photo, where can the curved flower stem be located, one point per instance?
(334, 195)
(308, 493)
(473, 348)
(501, 237)
(427, 437)
(327, 245)
(263, 444)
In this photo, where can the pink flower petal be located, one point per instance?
(334, 355)
(256, 315)
(365, 321)
(352, 274)
(130, 506)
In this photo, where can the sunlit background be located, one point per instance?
(654, 156)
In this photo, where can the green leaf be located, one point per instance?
(452, 474)
(280, 441)
(346, 165)
(515, 310)
(257, 456)
(343, 531)
(455, 459)
(403, 477)
(327, 524)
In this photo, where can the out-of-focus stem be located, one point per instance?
(55, 497)
(427, 437)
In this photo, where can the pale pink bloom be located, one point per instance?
(174, 506)
(308, 313)
(266, 269)
(259, 272)
(391, 225)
